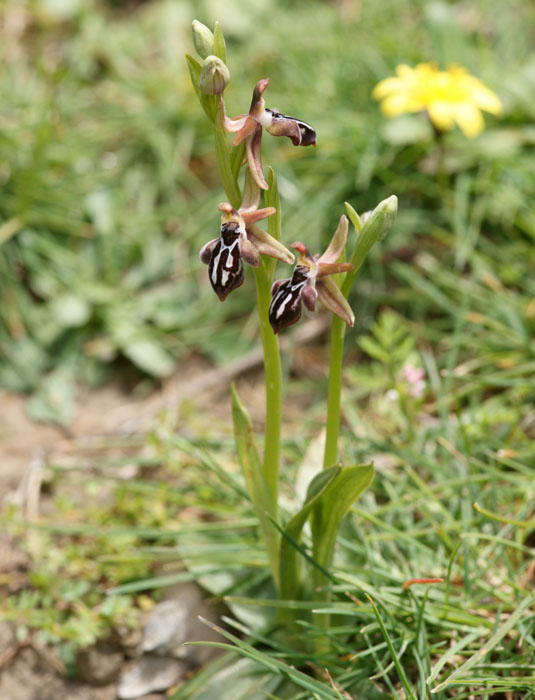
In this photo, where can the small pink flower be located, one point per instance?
(415, 377)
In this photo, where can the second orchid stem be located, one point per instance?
(368, 233)
(338, 331)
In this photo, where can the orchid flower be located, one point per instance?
(310, 280)
(240, 239)
(248, 128)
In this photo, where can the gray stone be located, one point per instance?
(150, 673)
(175, 621)
(163, 657)
(167, 627)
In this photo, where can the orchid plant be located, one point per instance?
(327, 278)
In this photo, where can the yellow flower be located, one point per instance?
(450, 97)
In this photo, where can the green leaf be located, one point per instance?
(372, 348)
(407, 129)
(23, 361)
(99, 206)
(242, 680)
(149, 356)
(354, 218)
(54, 401)
(220, 49)
(255, 480)
(70, 310)
(208, 102)
(489, 645)
(303, 680)
(225, 169)
(289, 556)
(395, 658)
(333, 505)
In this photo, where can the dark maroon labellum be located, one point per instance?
(285, 307)
(226, 267)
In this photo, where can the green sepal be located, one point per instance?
(289, 562)
(208, 102)
(255, 481)
(220, 49)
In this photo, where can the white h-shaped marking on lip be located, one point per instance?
(228, 264)
(216, 266)
(293, 289)
(281, 308)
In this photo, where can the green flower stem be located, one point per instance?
(367, 235)
(338, 331)
(336, 357)
(270, 342)
(273, 380)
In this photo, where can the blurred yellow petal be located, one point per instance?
(441, 115)
(387, 86)
(400, 104)
(487, 100)
(425, 71)
(469, 119)
(451, 97)
(405, 72)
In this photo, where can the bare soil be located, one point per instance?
(30, 673)
(27, 672)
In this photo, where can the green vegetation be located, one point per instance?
(108, 192)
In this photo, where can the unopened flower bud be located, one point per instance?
(203, 39)
(215, 76)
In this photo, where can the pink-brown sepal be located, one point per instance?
(207, 250)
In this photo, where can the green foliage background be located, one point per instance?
(108, 186)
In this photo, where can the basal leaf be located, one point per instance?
(289, 556)
(333, 505)
(254, 479)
